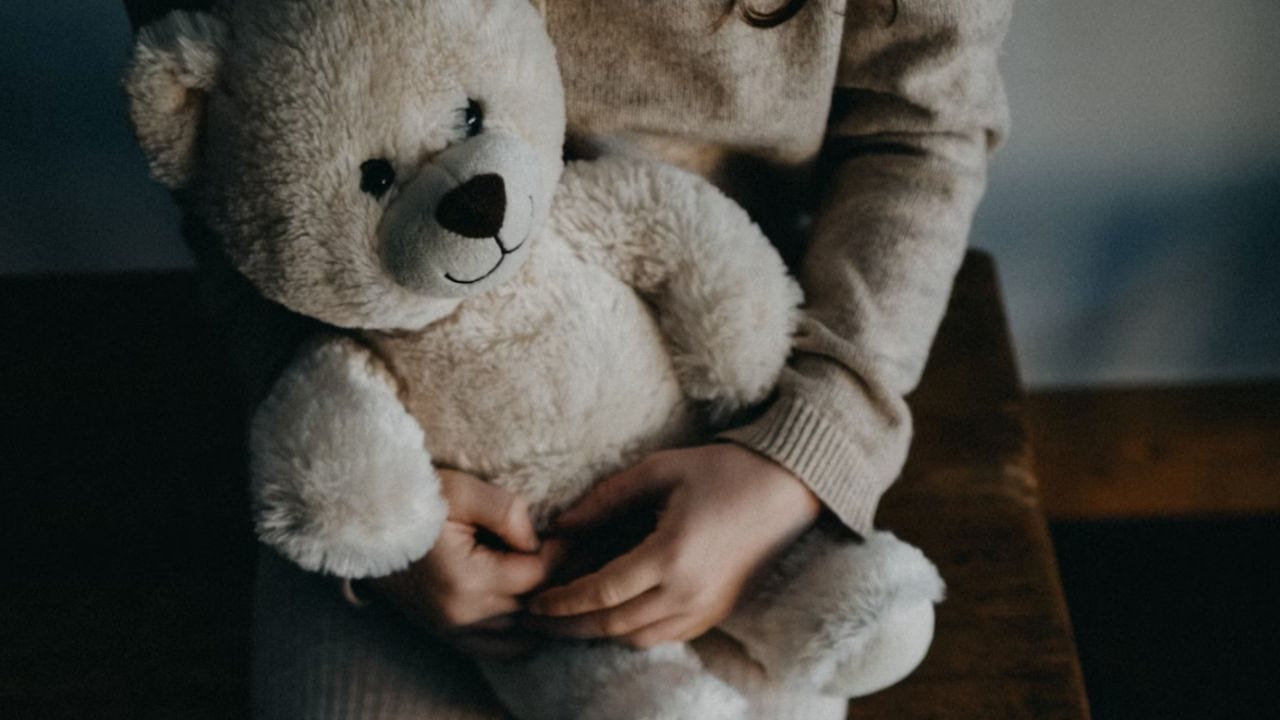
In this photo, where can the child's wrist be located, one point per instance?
(795, 497)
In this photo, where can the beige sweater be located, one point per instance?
(857, 134)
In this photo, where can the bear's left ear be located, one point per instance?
(175, 65)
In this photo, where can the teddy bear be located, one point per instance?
(393, 171)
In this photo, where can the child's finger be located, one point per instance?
(617, 582)
(638, 612)
(612, 495)
(495, 624)
(476, 502)
(668, 629)
(459, 613)
(518, 573)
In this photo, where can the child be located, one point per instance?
(857, 135)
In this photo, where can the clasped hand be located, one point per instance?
(723, 512)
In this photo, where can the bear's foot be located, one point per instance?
(888, 654)
(841, 617)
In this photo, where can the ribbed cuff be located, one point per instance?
(800, 438)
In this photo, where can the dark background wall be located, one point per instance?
(74, 194)
(1134, 210)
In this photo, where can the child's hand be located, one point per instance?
(464, 590)
(725, 512)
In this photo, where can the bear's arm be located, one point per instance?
(721, 293)
(342, 481)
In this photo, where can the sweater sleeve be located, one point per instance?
(917, 109)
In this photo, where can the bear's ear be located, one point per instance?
(174, 67)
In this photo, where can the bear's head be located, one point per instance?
(368, 164)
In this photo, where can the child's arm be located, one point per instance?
(918, 107)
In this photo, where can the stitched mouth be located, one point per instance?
(501, 248)
(505, 252)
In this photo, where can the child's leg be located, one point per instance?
(317, 658)
(606, 681)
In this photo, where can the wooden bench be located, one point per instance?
(128, 590)
(969, 498)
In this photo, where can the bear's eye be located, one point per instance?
(376, 177)
(473, 118)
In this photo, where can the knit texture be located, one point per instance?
(318, 658)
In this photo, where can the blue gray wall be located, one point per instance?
(1135, 210)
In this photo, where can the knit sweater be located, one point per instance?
(857, 134)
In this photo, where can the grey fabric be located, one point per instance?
(316, 657)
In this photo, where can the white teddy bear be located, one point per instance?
(393, 170)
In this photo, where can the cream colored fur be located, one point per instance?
(617, 308)
(342, 479)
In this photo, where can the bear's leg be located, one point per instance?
(841, 616)
(605, 681)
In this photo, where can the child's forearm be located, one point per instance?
(918, 108)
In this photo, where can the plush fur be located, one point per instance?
(342, 478)
(176, 64)
(618, 307)
(881, 582)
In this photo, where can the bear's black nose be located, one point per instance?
(475, 208)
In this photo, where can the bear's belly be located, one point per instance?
(544, 389)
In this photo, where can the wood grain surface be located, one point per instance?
(1208, 450)
(969, 498)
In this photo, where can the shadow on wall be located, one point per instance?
(1130, 284)
(1133, 210)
